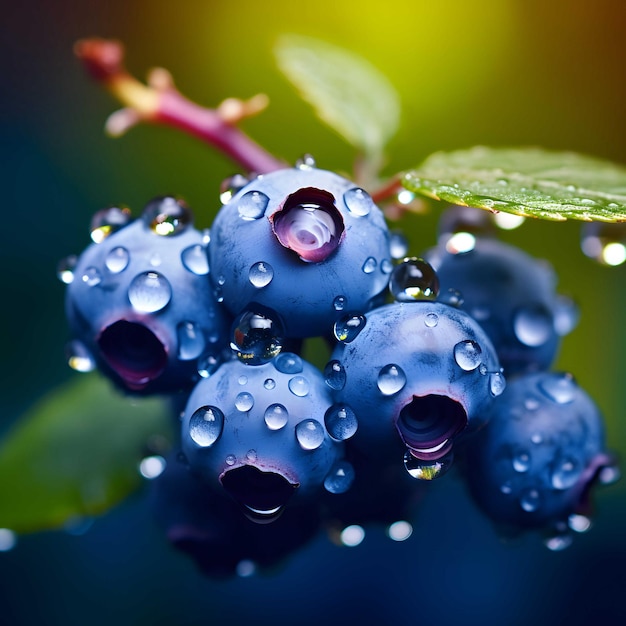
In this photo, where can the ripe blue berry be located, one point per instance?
(416, 375)
(259, 432)
(512, 296)
(140, 304)
(536, 461)
(304, 243)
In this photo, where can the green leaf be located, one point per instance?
(525, 181)
(75, 453)
(349, 95)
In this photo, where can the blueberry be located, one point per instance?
(511, 294)
(258, 432)
(535, 463)
(304, 243)
(416, 375)
(140, 304)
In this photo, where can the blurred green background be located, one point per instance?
(496, 72)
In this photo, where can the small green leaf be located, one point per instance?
(525, 181)
(75, 454)
(348, 94)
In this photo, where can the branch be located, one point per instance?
(159, 102)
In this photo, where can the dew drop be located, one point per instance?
(107, 221)
(269, 384)
(276, 416)
(335, 375)
(256, 337)
(431, 320)
(191, 342)
(230, 186)
(609, 475)
(167, 216)
(358, 201)
(560, 388)
(91, 276)
(251, 456)
(305, 162)
(288, 363)
(386, 266)
(391, 379)
(398, 245)
(79, 358)
(452, 297)
(149, 292)
(530, 500)
(152, 467)
(341, 422)
(566, 315)
(579, 523)
(117, 260)
(299, 386)
(348, 327)
(261, 274)
(400, 530)
(310, 434)
(207, 366)
(242, 380)
(195, 259)
(65, 269)
(339, 303)
(206, 425)
(244, 401)
(565, 472)
(506, 488)
(604, 242)
(559, 542)
(533, 325)
(414, 279)
(497, 383)
(427, 470)
(340, 477)
(231, 459)
(467, 355)
(352, 536)
(369, 266)
(521, 461)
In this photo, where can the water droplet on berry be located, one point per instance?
(191, 341)
(566, 315)
(560, 388)
(242, 380)
(414, 279)
(244, 401)
(340, 477)
(305, 162)
(609, 474)
(467, 354)
(530, 500)
(149, 292)
(506, 488)
(452, 297)
(604, 242)
(533, 325)
(261, 274)
(358, 201)
(579, 523)
(252, 205)
(117, 260)
(559, 542)
(339, 303)
(348, 327)
(288, 363)
(207, 366)
(230, 186)
(391, 379)
(91, 276)
(206, 425)
(269, 384)
(565, 472)
(431, 320)
(79, 358)
(341, 422)
(195, 259)
(167, 216)
(335, 375)
(156, 260)
(427, 470)
(231, 459)
(310, 434)
(521, 461)
(497, 383)
(276, 416)
(299, 386)
(65, 269)
(256, 338)
(398, 245)
(369, 266)
(251, 456)
(386, 266)
(107, 221)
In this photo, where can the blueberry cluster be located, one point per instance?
(272, 448)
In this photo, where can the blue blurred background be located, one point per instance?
(497, 72)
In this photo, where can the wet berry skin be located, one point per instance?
(535, 463)
(417, 375)
(141, 304)
(512, 295)
(258, 433)
(305, 243)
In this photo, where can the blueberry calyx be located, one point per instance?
(309, 224)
